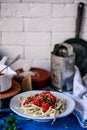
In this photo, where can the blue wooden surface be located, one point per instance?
(69, 122)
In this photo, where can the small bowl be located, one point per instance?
(5, 82)
(6, 78)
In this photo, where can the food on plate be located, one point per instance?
(43, 104)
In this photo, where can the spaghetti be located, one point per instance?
(43, 104)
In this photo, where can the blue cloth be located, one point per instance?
(69, 122)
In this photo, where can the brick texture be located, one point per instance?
(9, 1)
(11, 24)
(49, 1)
(32, 28)
(25, 10)
(26, 38)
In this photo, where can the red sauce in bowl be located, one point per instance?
(1, 74)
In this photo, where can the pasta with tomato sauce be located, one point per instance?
(43, 104)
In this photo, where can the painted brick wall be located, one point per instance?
(32, 28)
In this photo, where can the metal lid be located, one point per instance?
(63, 50)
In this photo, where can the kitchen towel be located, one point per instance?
(80, 97)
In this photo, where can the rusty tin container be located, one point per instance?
(62, 67)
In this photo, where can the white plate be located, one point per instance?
(15, 105)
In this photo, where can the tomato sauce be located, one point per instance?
(44, 100)
(1, 74)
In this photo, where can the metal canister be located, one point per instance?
(62, 67)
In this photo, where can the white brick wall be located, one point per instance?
(25, 10)
(50, 24)
(11, 51)
(60, 37)
(11, 24)
(8, 1)
(0, 38)
(50, 1)
(77, 1)
(67, 10)
(26, 38)
(32, 28)
(39, 52)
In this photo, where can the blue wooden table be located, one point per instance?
(69, 122)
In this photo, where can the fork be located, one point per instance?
(54, 119)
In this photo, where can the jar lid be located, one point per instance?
(63, 49)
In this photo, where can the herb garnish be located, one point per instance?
(48, 100)
(10, 123)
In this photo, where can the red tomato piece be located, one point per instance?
(45, 106)
(48, 95)
(37, 101)
(44, 93)
(26, 102)
(52, 97)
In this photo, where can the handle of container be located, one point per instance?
(69, 48)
